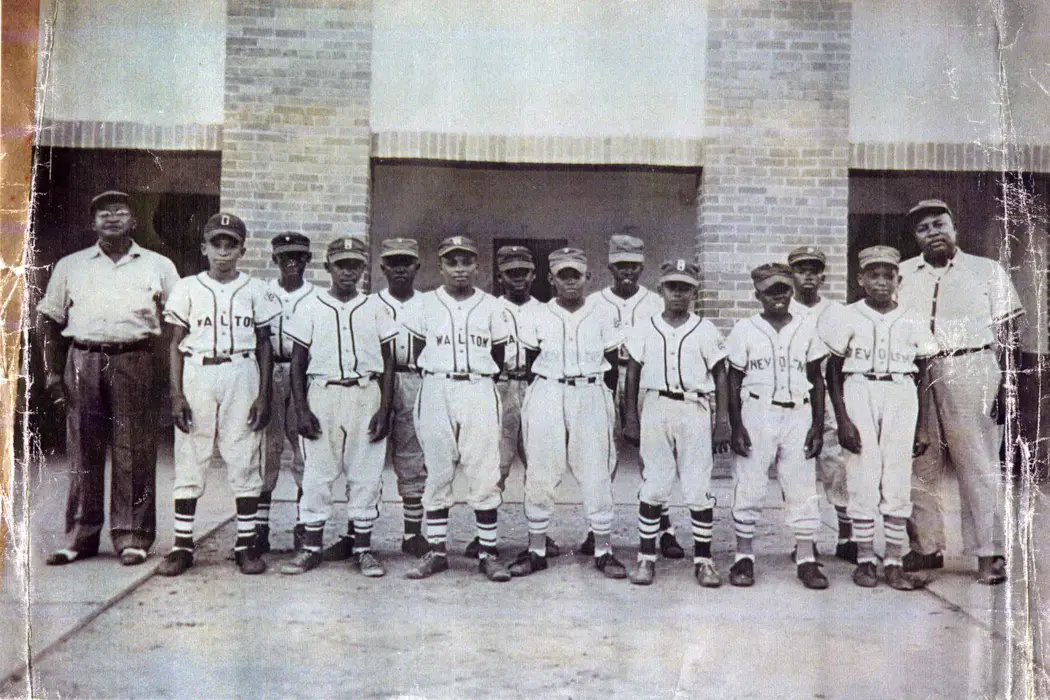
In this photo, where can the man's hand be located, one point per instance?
(849, 436)
(921, 444)
(632, 429)
(814, 441)
(309, 426)
(741, 441)
(379, 426)
(56, 389)
(258, 415)
(181, 413)
(721, 437)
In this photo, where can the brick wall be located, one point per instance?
(776, 152)
(296, 137)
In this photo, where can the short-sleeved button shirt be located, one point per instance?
(877, 343)
(289, 301)
(640, 306)
(101, 301)
(571, 343)
(962, 302)
(345, 338)
(395, 307)
(220, 317)
(515, 316)
(459, 335)
(676, 359)
(774, 363)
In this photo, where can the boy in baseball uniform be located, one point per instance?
(221, 374)
(291, 254)
(878, 355)
(776, 410)
(571, 344)
(344, 346)
(632, 304)
(677, 362)
(807, 266)
(460, 337)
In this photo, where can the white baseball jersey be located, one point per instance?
(345, 338)
(774, 363)
(676, 359)
(289, 301)
(459, 335)
(515, 318)
(642, 305)
(220, 317)
(403, 345)
(571, 343)
(826, 312)
(877, 343)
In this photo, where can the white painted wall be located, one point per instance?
(549, 67)
(156, 62)
(930, 71)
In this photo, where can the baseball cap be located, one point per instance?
(346, 248)
(879, 254)
(680, 270)
(290, 242)
(623, 248)
(511, 257)
(225, 224)
(108, 197)
(807, 253)
(399, 246)
(765, 276)
(567, 257)
(925, 208)
(453, 243)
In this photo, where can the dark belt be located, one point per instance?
(964, 351)
(517, 376)
(679, 395)
(356, 381)
(457, 376)
(282, 360)
(114, 348)
(886, 377)
(576, 381)
(223, 359)
(405, 369)
(781, 404)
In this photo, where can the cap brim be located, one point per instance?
(346, 255)
(291, 248)
(806, 258)
(395, 253)
(914, 215)
(223, 232)
(679, 277)
(578, 266)
(879, 261)
(452, 249)
(626, 257)
(106, 198)
(775, 279)
(516, 265)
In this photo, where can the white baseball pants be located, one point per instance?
(406, 453)
(676, 443)
(511, 442)
(831, 462)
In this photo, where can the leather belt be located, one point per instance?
(208, 360)
(516, 376)
(114, 348)
(892, 377)
(405, 369)
(781, 404)
(356, 381)
(964, 351)
(282, 360)
(575, 381)
(680, 395)
(459, 376)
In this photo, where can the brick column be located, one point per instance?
(776, 151)
(296, 137)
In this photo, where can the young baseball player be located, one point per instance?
(881, 349)
(571, 346)
(677, 361)
(776, 410)
(460, 337)
(807, 266)
(291, 254)
(632, 304)
(221, 373)
(344, 344)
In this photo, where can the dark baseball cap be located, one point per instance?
(765, 276)
(807, 252)
(453, 243)
(408, 247)
(879, 254)
(347, 247)
(514, 257)
(109, 197)
(290, 242)
(225, 224)
(925, 208)
(680, 270)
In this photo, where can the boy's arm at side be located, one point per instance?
(530, 359)
(379, 426)
(259, 415)
(849, 436)
(180, 408)
(741, 441)
(922, 435)
(309, 426)
(722, 434)
(631, 422)
(613, 373)
(499, 353)
(815, 436)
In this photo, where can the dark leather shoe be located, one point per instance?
(303, 561)
(810, 575)
(866, 575)
(742, 573)
(587, 546)
(61, 557)
(610, 566)
(644, 574)
(493, 568)
(431, 563)
(846, 551)
(670, 548)
(175, 562)
(132, 556)
(528, 562)
(249, 561)
(415, 546)
(991, 571)
(913, 561)
(901, 581)
(342, 550)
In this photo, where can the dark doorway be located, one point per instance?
(541, 249)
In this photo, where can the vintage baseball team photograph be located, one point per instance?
(713, 332)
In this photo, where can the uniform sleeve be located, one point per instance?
(817, 349)
(1005, 304)
(498, 324)
(55, 303)
(712, 345)
(386, 325)
(635, 342)
(736, 346)
(168, 277)
(177, 308)
(267, 305)
(413, 319)
(837, 334)
(612, 332)
(299, 326)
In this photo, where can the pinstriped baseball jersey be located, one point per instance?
(571, 343)
(774, 363)
(877, 343)
(459, 335)
(344, 337)
(515, 317)
(289, 301)
(676, 359)
(628, 312)
(220, 317)
(403, 345)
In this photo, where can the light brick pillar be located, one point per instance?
(296, 139)
(776, 147)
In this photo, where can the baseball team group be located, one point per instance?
(868, 404)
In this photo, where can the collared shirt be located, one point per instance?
(459, 335)
(571, 343)
(877, 343)
(345, 338)
(516, 316)
(774, 362)
(676, 359)
(220, 317)
(640, 306)
(403, 346)
(962, 302)
(101, 301)
(289, 301)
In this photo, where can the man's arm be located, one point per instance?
(922, 435)
(52, 352)
(722, 434)
(309, 426)
(379, 425)
(613, 373)
(631, 421)
(499, 352)
(815, 436)
(849, 436)
(741, 441)
(530, 359)
(259, 415)
(180, 408)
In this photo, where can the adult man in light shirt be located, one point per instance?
(107, 300)
(973, 308)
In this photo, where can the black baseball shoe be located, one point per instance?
(433, 562)
(913, 561)
(670, 548)
(991, 571)
(742, 573)
(610, 566)
(415, 546)
(303, 561)
(587, 546)
(866, 575)
(901, 581)
(249, 561)
(527, 562)
(342, 550)
(493, 567)
(175, 562)
(811, 576)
